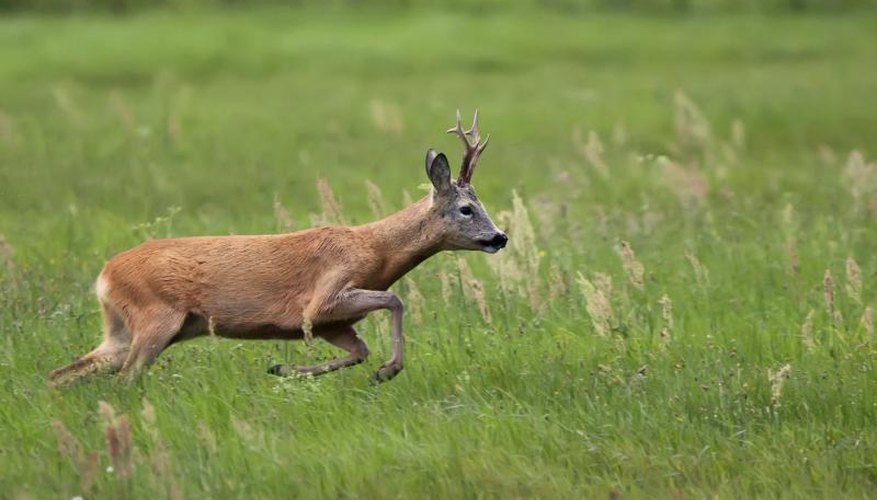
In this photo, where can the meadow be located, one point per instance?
(685, 309)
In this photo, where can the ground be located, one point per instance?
(685, 308)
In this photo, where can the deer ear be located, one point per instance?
(438, 170)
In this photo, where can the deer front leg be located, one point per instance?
(345, 338)
(355, 303)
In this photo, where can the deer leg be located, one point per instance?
(108, 356)
(150, 339)
(356, 303)
(345, 338)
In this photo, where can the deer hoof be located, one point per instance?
(278, 370)
(387, 371)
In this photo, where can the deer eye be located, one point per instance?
(466, 210)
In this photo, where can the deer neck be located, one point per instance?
(403, 240)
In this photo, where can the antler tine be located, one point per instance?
(473, 131)
(458, 131)
(473, 147)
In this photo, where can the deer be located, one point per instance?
(317, 282)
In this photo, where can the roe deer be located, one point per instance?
(318, 281)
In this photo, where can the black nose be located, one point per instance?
(499, 240)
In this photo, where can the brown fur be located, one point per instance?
(318, 281)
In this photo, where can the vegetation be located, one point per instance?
(685, 309)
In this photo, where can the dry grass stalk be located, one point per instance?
(690, 186)
(603, 282)
(406, 198)
(66, 103)
(159, 455)
(447, 290)
(619, 134)
(207, 438)
(634, 268)
(6, 252)
(376, 200)
(518, 266)
(853, 285)
(174, 130)
(868, 321)
(414, 301)
(738, 134)
(592, 151)
(282, 216)
(556, 285)
(473, 289)
(332, 212)
(807, 332)
(789, 221)
(794, 261)
(68, 446)
(118, 435)
(701, 273)
(253, 439)
(123, 111)
(827, 155)
(776, 380)
(789, 227)
(828, 295)
(548, 213)
(597, 304)
(505, 265)
(692, 128)
(861, 177)
(666, 318)
(387, 117)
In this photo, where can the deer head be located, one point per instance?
(462, 220)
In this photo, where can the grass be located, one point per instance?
(725, 167)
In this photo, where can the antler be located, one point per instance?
(473, 147)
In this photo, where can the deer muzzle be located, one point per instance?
(495, 244)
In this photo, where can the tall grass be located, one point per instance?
(685, 307)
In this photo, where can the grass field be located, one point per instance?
(686, 308)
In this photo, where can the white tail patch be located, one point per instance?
(102, 288)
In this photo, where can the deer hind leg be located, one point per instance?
(153, 329)
(345, 338)
(107, 357)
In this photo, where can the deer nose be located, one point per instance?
(499, 240)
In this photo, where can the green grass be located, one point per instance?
(108, 125)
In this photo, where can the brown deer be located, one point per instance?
(316, 282)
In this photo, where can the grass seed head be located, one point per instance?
(853, 285)
(591, 151)
(376, 200)
(776, 380)
(701, 274)
(414, 301)
(387, 117)
(828, 295)
(332, 212)
(634, 268)
(6, 253)
(447, 290)
(807, 332)
(597, 304)
(868, 321)
(473, 289)
(282, 216)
